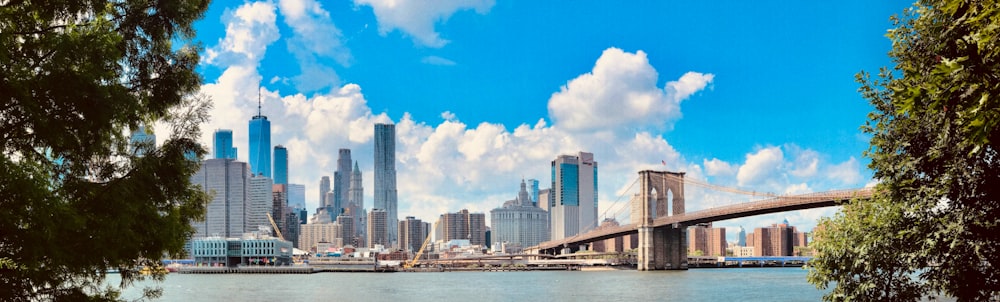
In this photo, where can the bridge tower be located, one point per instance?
(663, 248)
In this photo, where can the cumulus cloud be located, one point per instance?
(760, 166)
(315, 38)
(249, 30)
(716, 167)
(436, 60)
(417, 18)
(621, 93)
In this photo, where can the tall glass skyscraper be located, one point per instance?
(385, 177)
(223, 141)
(574, 189)
(260, 145)
(342, 179)
(280, 165)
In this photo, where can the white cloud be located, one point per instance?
(847, 173)
(315, 39)
(716, 167)
(249, 30)
(436, 60)
(621, 93)
(760, 167)
(417, 18)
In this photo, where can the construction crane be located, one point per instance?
(411, 263)
(275, 225)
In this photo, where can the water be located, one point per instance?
(732, 284)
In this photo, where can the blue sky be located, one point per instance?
(753, 95)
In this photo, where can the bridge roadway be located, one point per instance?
(761, 207)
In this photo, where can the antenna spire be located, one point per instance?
(258, 100)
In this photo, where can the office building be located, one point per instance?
(324, 186)
(385, 176)
(260, 199)
(533, 191)
(260, 144)
(142, 141)
(411, 234)
(706, 241)
(342, 179)
(377, 234)
(356, 191)
(311, 235)
(519, 223)
(574, 186)
(225, 180)
(223, 142)
(463, 225)
(297, 196)
(280, 165)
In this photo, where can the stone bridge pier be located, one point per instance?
(661, 248)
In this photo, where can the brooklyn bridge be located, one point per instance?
(662, 220)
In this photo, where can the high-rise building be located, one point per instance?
(411, 234)
(545, 199)
(342, 178)
(347, 232)
(324, 186)
(297, 196)
(741, 239)
(533, 191)
(260, 199)
(226, 181)
(775, 240)
(280, 165)
(385, 176)
(377, 234)
(142, 141)
(356, 191)
(707, 241)
(260, 144)
(574, 186)
(519, 223)
(463, 225)
(310, 235)
(223, 142)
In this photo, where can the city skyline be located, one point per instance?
(777, 114)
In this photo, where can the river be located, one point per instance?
(725, 284)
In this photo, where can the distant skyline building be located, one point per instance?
(260, 143)
(463, 225)
(280, 165)
(411, 234)
(342, 179)
(377, 234)
(142, 141)
(533, 191)
(356, 191)
(385, 177)
(741, 238)
(225, 180)
(260, 200)
(574, 184)
(519, 223)
(223, 142)
(297, 196)
(708, 241)
(324, 186)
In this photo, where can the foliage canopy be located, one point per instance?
(77, 199)
(933, 224)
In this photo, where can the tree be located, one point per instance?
(933, 224)
(76, 199)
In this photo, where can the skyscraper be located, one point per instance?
(741, 239)
(342, 179)
(519, 223)
(280, 165)
(223, 141)
(385, 176)
(226, 181)
(464, 225)
(411, 234)
(376, 228)
(533, 191)
(260, 144)
(260, 200)
(356, 193)
(324, 186)
(142, 141)
(297, 196)
(574, 186)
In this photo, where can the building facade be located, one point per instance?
(519, 223)
(342, 179)
(223, 142)
(376, 224)
(225, 180)
(574, 186)
(310, 235)
(412, 233)
(280, 165)
(463, 225)
(324, 186)
(706, 241)
(260, 200)
(260, 145)
(385, 177)
(297, 196)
